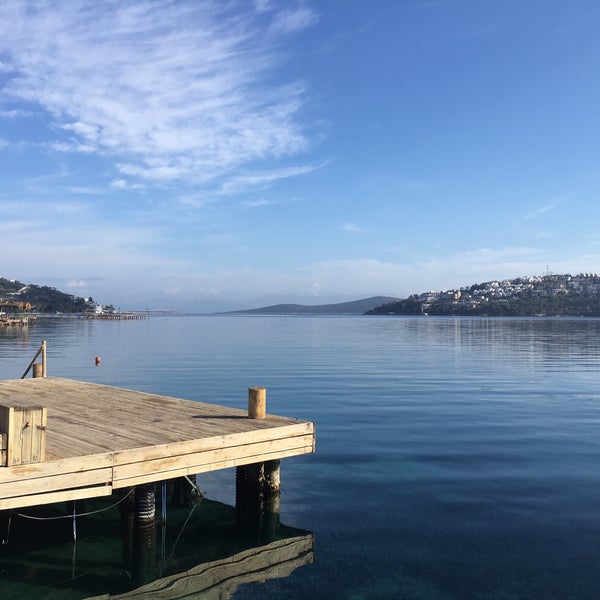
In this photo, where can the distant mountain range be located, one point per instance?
(356, 307)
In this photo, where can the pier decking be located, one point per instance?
(100, 438)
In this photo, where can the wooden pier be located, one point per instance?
(14, 321)
(119, 316)
(67, 440)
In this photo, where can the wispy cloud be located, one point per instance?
(258, 203)
(15, 113)
(262, 178)
(81, 190)
(352, 228)
(171, 91)
(537, 212)
(76, 285)
(290, 21)
(544, 235)
(261, 202)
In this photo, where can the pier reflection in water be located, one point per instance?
(196, 548)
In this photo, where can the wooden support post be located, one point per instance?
(144, 567)
(38, 370)
(127, 512)
(257, 402)
(44, 358)
(42, 351)
(144, 543)
(145, 502)
(258, 485)
(272, 482)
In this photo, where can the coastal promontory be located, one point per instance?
(543, 295)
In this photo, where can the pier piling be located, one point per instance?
(145, 502)
(257, 402)
(258, 485)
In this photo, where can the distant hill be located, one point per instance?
(356, 307)
(42, 298)
(537, 295)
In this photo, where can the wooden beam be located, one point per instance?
(205, 464)
(55, 483)
(51, 497)
(57, 467)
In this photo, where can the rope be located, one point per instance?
(181, 531)
(85, 514)
(74, 524)
(163, 543)
(199, 492)
(5, 541)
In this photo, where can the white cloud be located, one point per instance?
(262, 6)
(79, 284)
(259, 203)
(14, 114)
(124, 184)
(289, 21)
(183, 91)
(352, 228)
(82, 190)
(264, 202)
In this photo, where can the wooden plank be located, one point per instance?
(168, 462)
(212, 443)
(69, 445)
(31, 423)
(22, 436)
(10, 433)
(3, 448)
(57, 482)
(4, 417)
(42, 438)
(208, 467)
(49, 469)
(52, 497)
(79, 464)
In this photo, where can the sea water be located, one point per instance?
(456, 457)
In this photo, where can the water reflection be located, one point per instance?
(201, 548)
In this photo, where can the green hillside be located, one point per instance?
(43, 299)
(554, 295)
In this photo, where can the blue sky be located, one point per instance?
(225, 155)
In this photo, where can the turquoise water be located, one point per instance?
(456, 458)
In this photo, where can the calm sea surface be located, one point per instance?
(456, 458)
